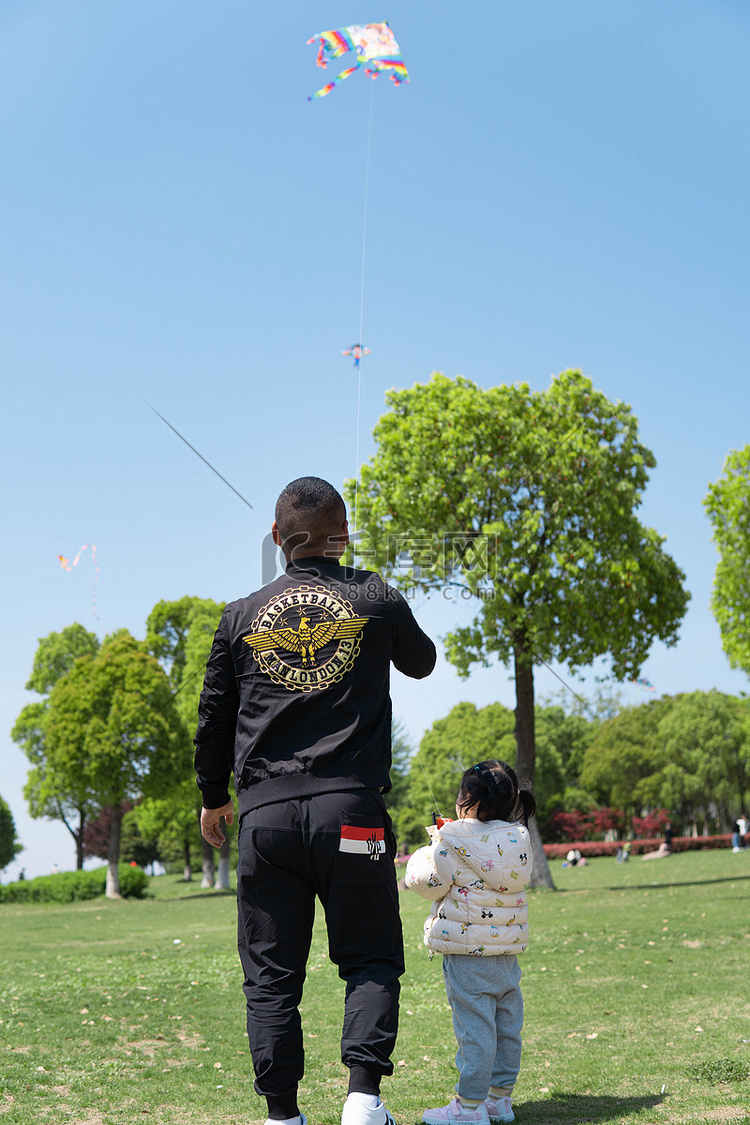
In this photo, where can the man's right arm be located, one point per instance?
(413, 653)
(217, 722)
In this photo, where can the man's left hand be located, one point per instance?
(210, 823)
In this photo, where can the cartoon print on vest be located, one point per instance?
(478, 951)
(494, 932)
(499, 850)
(477, 885)
(487, 913)
(488, 865)
(511, 920)
(433, 881)
(514, 874)
(462, 852)
(465, 926)
(524, 859)
(464, 891)
(513, 839)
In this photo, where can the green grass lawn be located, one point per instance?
(636, 983)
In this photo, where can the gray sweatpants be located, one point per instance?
(487, 1006)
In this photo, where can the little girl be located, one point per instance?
(475, 871)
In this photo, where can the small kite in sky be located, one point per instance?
(644, 683)
(375, 47)
(66, 564)
(356, 351)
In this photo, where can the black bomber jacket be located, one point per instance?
(296, 695)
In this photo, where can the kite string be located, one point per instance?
(362, 300)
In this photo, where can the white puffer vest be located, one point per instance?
(475, 873)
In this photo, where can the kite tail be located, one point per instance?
(330, 85)
(66, 564)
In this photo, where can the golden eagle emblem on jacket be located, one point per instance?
(306, 639)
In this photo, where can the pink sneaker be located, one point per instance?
(499, 1110)
(455, 1114)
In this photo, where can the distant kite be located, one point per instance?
(356, 351)
(67, 565)
(644, 683)
(376, 49)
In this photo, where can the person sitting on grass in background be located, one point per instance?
(574, 859)
(475, 871)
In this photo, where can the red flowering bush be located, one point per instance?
(571, 825)
(651, 825)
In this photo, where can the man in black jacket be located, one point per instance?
(296, 703)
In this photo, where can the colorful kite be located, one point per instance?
(356, 351)
(644, 683)
(67, 565)
(376, 50)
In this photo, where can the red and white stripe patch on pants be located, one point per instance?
(365, 841)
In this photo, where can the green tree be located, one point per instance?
(561, 740)
(49, 794)
(624, 756)
(10, 845)
(689, 753)
(180, 633)
(402, 752)
(706, 755)
(528, 501)
(728, 507)
(112, 720)
(170, 823)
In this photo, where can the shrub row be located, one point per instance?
(590, 848)
(74, 886)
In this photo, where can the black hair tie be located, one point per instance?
(488, 778)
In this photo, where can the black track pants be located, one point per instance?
(339, 846)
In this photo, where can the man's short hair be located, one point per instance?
(309, 514)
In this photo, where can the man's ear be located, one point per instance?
(276, 533)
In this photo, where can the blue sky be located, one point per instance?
(561, 185)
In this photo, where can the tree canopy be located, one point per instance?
(51, 794)
(10, 845)
(728, 507)
(180, 633)
(528, 501)
(689, 754)
(112, 721)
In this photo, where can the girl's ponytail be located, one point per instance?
(526, 806)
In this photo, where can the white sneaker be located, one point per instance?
(354, 1113)
(499, 1109)
(455, 1114)
(289, 1121)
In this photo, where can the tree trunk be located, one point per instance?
(187, 875)
(526, 754)
(113, 854)
(208, 864)
(79, 841)
(223, 880)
